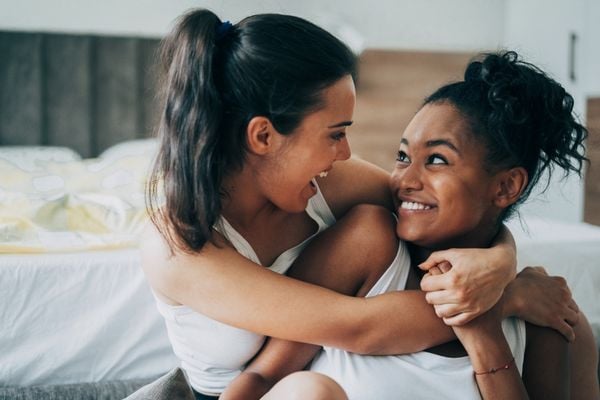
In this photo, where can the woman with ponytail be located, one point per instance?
(253, 164)
(469, 157)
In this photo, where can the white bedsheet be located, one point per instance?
(78, 317)
(90, 316)
(570, 250)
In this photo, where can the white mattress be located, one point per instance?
(570, 250)
(78, 317)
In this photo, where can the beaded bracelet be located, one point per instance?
(494, 370)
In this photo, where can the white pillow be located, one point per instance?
(34, 158)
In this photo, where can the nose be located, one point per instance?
(343, 150)
(406, 179)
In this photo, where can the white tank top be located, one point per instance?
(212, 353)
(414, 376)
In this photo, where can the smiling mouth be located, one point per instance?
(412, 205)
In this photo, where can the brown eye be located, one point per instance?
(402, 157)
(436, 159)
(338, 136)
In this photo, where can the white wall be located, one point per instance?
(591, 48)
(540, 31)
(537, 28)
(427, 24)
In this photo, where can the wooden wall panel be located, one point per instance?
(391, 87)
(592, 176)
(21, 89)
(68, 100)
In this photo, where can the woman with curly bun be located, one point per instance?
(468, 158)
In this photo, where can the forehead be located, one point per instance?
(340, 97)
(337, 108)
(439, 121)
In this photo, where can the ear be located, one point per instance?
(260, 135)
(510, 185)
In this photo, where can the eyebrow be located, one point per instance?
(436, 142)
(340, 124)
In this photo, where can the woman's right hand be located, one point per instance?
(542, 300)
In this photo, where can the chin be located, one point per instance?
(418, 238)
(408, 235)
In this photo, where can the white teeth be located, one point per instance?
(323, 174)
(409, 205)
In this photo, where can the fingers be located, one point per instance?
(435, 270)
(448, 310)
(566, 330)
(460, 319)
(433, 260)
(439, 297)
(444, 266)
(573, 306)
(572, 317)
(431, 282)
(538, 269)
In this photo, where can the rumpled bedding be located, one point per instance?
(51, 200)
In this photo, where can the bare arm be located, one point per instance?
(354, 182)
(268, 303)
(276, 360)
(221, 284)
(493, 364)
(545, 372)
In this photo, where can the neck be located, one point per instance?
(482, 238)
(244, 205)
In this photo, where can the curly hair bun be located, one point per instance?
(524, 117)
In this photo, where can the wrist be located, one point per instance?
(486, 349)
(511, 304)
(506, 258)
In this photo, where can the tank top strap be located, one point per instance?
(236, 239)
(318, 209)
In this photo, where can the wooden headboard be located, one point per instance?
(81, 91)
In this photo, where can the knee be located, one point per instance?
(306, 385)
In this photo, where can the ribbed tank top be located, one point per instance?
(419, 375)
(212, 354)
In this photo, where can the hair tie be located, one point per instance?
(223, 29)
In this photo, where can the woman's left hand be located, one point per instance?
(462, 284)
(543, 300)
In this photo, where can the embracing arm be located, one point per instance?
(221, 284)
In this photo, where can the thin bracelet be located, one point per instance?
(494, 370)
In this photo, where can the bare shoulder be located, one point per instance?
(157, 260)
(354, 182)
(167, 268)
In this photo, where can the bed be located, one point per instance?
(77, 313)
(77, 317)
